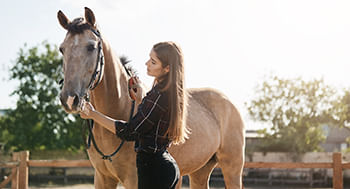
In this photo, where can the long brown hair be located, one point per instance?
(170, 54)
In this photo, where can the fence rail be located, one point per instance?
(59, 163)
(20, 164)
(287, 165)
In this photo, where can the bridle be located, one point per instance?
(94, 82)
(99, 63)
(92, 85)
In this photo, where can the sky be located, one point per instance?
(228, 45)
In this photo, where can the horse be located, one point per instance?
(91, 68)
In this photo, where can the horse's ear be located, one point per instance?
(90, 17)
(64, 21)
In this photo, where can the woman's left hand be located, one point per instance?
(87, 110)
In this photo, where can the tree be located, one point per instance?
(343, 107)
(294, 111)
(343, 112)
(39, 122)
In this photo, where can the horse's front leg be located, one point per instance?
(104, 182)
(129, 179)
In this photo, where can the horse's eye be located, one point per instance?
(61, 50)
(90, 48)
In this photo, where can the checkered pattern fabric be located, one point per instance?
(148, 127)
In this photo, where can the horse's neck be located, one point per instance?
(110, 97)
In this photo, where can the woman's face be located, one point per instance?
(154, 66)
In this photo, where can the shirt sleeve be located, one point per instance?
(146, 118)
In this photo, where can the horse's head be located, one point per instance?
(82, 59)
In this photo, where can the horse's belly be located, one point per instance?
(202, 144)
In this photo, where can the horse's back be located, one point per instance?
(218, 103)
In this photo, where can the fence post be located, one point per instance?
(14, 181)
(23, 170)
(337, 171)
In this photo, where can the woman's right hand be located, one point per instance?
(87, 110)
(137, 96)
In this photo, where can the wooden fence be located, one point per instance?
(20, 164)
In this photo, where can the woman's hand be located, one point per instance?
(137, 96)
(87, 110)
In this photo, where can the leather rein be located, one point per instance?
(95, 80)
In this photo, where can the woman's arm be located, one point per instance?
(104, 121)
(89, 112)
(147, 116)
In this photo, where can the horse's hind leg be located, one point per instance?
(232, 173)
(231, 162)
(230, 154)
(200, 178)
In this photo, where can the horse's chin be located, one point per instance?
(73, 112)
(70, 111)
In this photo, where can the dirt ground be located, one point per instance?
(77, 186)
(90, 186)
(86, 186)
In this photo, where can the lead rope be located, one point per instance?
(92, 86)
(90, 124)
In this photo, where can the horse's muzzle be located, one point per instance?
(70, 103)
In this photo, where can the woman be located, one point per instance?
(159, 121)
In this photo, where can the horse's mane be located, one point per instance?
(78, 26)
(124, 60)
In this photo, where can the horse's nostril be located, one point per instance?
(76, 101)
(70, 102)
(62, 99)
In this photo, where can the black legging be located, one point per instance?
(156, 171)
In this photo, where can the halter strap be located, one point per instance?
(99, 63)
(92, 85)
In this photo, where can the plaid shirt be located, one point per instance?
(148, 127)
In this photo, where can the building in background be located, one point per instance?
(336, 138)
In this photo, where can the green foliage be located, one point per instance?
(295, 111)
(343, 113)
(343, 109)
(39, 122)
